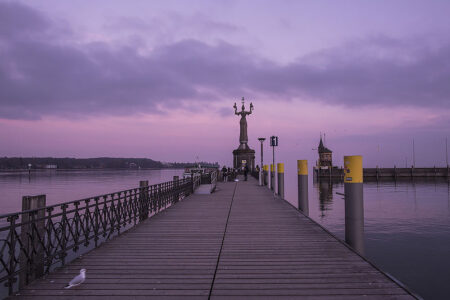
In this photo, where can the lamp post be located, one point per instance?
(261, 166)
(273, 143)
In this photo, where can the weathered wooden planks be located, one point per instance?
(272, 251)
(239, 242)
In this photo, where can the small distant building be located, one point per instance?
(325, 155)
(324, 166)
(51, 167)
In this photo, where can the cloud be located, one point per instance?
(44, 74)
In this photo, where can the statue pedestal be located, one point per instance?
(242, 157)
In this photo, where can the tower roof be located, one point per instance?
(322, 148)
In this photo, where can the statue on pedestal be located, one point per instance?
(243, 137)
(243, 155)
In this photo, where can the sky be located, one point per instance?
(158, 79)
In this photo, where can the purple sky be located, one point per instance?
(158, 79)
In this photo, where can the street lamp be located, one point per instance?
(261, 166)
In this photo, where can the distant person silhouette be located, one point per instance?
(225, 174)
(245, 172)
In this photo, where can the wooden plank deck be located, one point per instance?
(239, 242)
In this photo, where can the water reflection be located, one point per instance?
(325, 190)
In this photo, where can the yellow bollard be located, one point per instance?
(354, 203)
(280, 171)
(302, 183)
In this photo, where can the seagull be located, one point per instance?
(77, 280)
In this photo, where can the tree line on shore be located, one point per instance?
(16, 163)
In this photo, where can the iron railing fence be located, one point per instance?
(196, 179)
(32, 242)
(214, 175)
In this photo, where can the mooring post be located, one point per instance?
(354, 204)
(280, 171)
(272, 178)
(143, 200)
(32, 235)
(176, 195)
(302, 180)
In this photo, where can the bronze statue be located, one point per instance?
(243, 137)
(243, 156)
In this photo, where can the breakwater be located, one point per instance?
(385, 173)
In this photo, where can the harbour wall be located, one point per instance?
(374, 173)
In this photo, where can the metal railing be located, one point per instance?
(214, 177)
(196, 181)
(33, 242)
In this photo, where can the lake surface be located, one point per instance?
(407, 228)
(407, 224)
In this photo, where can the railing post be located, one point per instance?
(64, 222)
(280, 171)
(143, 200)
(159, 196)
(12, 253)
(176, 193)
(266, 169)
(87, 214)
(96, 221)
(76, 221)
(354, 204)
(33, 228)
(302, 181)
(272, 178)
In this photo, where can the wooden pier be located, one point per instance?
(239, 242)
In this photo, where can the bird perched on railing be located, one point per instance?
(77, 280)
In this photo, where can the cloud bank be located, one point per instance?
(45, 73)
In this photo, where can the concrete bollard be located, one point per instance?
(354, 204)
(272, 178)
(302, 181)
(280, 171)
(176, 194)
(32, 265)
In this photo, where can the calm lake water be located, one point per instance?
(407, 224)
(407, 228)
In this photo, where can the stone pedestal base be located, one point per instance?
(242, 157)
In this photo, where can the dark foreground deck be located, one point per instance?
(238, 242)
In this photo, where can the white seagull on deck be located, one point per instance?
(77, 280)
